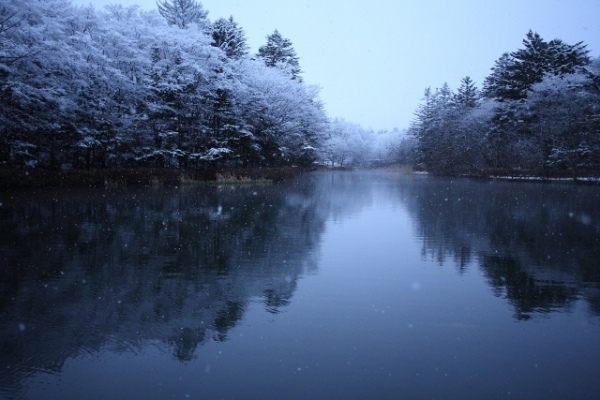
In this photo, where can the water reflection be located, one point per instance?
(83, 269)
(538, 244)
(86, 272)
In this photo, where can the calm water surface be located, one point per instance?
(346, 285)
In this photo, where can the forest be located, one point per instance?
(84, 88)
(537, 113)
(120, 87)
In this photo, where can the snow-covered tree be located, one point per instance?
(514, 73)
(499, 83)
(182, 13)
(279, 52)
(449, 130)
(467, 94)
(341, 144)
(185, 75)
(351, 145)
(11, 50)
(229, 37)
(125, 87)
(392, 147)
(563, 118)
(555, 129)
(431, 127)
(284, 118)
(38, 77)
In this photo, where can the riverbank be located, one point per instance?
(548, 176)
(589, 176)
(129, 177)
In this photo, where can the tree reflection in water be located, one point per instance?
(90, 271)
(87, 269)
(537, 243)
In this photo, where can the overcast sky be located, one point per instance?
(373, 59)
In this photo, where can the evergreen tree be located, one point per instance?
(567, 59)
(531, 62)
(515, 73)
(562, 117)
(278, 52)
(433, 127)
(498, 84)
(229, 37)
(445, 97)
(467, 94)
(182, 13)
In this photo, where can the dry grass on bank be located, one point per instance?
(130, 177)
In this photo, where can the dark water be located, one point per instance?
(349, 285)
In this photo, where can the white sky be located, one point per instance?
(374, 58)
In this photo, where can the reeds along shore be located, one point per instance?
(115, 178)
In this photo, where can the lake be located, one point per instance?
(332, 285)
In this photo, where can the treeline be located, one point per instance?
(538, 112)
(349, 145)
(122, 87)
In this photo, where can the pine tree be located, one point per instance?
(229, 37)
(433, 125)
(531, 63)
(566, 59)
(499, 83)
(425, 111)
(467, 94)
(444, 96)
(279, 52)
(182, 12)
(515, 73)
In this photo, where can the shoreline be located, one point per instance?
(136, 177)
(165, 177)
